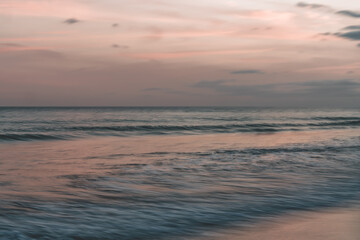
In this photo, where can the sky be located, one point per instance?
(180, 53)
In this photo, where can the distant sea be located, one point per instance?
(169, 172)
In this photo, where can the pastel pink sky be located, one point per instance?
(172, 52)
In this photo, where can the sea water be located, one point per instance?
(170, 172)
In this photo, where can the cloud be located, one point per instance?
(11, 45)
(20, 49)
(119, 46)
(184, 54)
(350, 35)
(353, 35)
(349, 13)
(352, 27)
(115, 25)
(342, 87)
(247, 71)
(152, 89)
(310, 5)
(71, 21)
(310, 89)
(48, 54)
(30, 55)
(326, 34)
(228, 88)
(166, 91)
(212, 84)
(332, 83)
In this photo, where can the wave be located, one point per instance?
(156, 129)
(261, 151)
(63, 131)
(251, 127)
(29, 137)
(336, 118)
(339, 123)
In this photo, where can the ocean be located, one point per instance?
(89, 173)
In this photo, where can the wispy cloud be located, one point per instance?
(49, 8)
(352, 27)
(349, 13)
(212, 84)
(247, 71)
(11, 44)
(353, 35)
(228, 87)
(120, 46)
(166, 91)
(15, 47)
(351, 32)
(341, 87)
(311, 5)
(71, 21)
(184, 54)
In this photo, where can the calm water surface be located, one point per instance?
(169, 173)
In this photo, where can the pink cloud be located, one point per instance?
(263, 15)
(13, 47)
(334, 68)
(184, 54)
(27, 39)
(42, 8)
(188, 34)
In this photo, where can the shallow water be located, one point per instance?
(169, 173)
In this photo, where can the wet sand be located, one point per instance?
(339, 224)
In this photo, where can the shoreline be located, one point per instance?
(329, 224)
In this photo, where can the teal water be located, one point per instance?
(169, 173)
